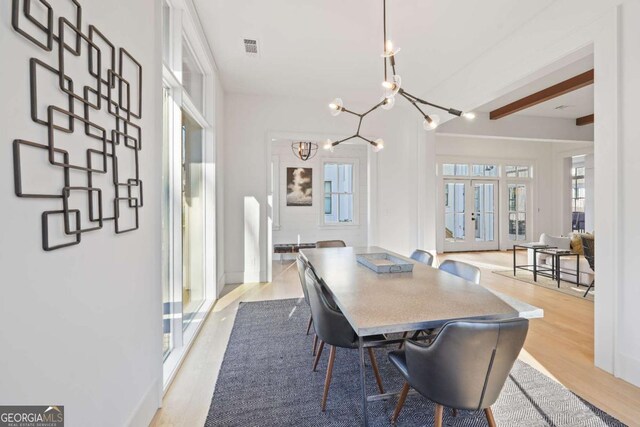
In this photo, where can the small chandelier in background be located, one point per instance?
(304, 150)
(391, 87)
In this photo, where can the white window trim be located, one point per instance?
(355, 191)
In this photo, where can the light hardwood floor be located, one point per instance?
(560, 344)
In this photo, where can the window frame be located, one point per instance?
(355, 190)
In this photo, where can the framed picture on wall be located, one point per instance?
(299, 186)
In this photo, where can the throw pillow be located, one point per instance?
(576, 243)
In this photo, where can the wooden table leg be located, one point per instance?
(437, 422)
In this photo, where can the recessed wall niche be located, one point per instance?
(87, 95)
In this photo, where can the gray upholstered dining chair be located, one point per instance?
(302, 266)
(589, 248)
(461, 269)
(333, 329)
(422, 256)
(330, 244)
(465, 367)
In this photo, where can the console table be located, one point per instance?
(290, 248)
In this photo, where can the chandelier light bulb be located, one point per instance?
(336, 106)
(431, 122)
(328, 145)
(388, 102)
(469, 115)
(379, 145)
(388, 49)
(392, 86)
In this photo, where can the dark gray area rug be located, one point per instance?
(266, 380)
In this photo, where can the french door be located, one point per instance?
(470, 215)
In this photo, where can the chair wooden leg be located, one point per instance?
(401, 399)
(376, 372)
(404, 335)
(437, 422)
(309, 324)
(327, 380)
(315, 362)
(489, 414)
(315, 344)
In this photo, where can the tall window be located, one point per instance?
(338, 193)
(188, 282)
(577, 198)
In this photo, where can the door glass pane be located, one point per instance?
(167, 300)
(454, 211)
(517, 211)
(483, 212)
(193, 294)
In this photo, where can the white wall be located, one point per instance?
(81, 326)
(252, 121)
(306, 221)
(617, 160)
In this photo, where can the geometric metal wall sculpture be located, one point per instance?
(111, 86)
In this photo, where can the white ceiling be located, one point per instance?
(326, 48)
(579, 103)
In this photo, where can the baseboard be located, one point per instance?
(148, 406)
(628, 369)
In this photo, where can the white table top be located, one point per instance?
(397, 302)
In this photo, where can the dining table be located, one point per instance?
(387, 303)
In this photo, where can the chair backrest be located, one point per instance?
(589, 248)
(302, 266)
(468, 363)
(461, 269)
(330, 244)
(422, 256)
(330, 324)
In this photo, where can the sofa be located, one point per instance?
(566, 264)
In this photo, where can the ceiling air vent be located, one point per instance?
(251, 47)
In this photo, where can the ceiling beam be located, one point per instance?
(574, 83)
(586, 120)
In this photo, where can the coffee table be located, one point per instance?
(555, 270)
(535, 247)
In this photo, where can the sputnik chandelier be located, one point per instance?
(392, 86)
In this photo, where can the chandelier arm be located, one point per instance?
(452, 111)
(414, 104)
(384, 35)
(378, 105)
(351, 112)
(392, 60)
(345, 139)
(368, 140)
(359, 125)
